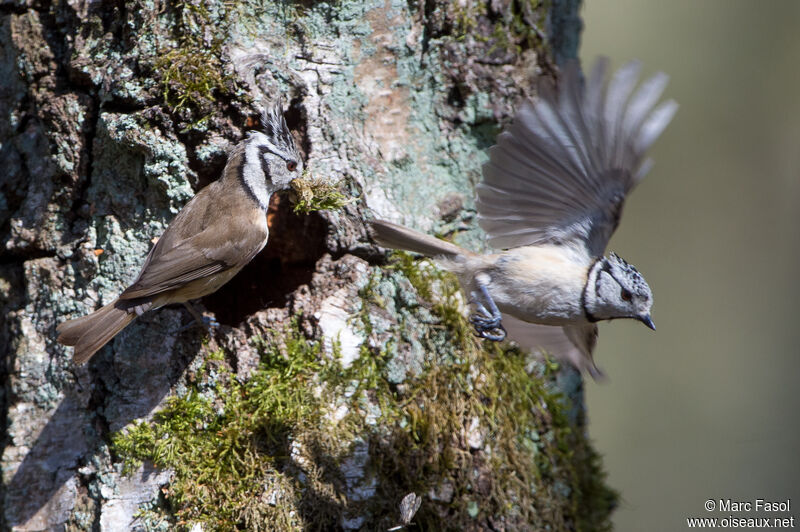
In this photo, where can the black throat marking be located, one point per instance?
(605, 267)
(264, 164)
(264, 168)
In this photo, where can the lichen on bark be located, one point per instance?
(114, 113)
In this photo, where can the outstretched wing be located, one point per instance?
(562, 170)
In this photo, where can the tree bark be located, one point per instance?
(113, 114)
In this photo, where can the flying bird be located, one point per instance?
(551, 197)
(214, 236)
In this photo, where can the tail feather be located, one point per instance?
(396, 236)
(89, 333)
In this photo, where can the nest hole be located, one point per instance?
(296, 243)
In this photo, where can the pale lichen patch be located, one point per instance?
(334, 317)
(387, 109)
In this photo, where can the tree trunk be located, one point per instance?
(341, 379)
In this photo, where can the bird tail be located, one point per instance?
(89, 333)
(395, 236)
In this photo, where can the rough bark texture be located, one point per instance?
(113, 114)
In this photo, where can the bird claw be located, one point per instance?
(486, 321)
(488, 327)
(209, 323)
(496, 334)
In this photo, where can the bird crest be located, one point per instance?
(622, 263)
(276, 129)
(628, 271)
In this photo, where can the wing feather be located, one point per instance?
(555, 127)
(619, 90)
(573, 345)
(174, 268)
(642, 102)
(654, 125)
(178, 259)
(574, 112)
(562, 170)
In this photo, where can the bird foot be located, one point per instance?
(487, 322)
(488, 326)
(209, 323)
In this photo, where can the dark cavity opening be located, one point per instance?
(296, 243)
(297, 121)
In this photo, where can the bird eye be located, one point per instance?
(291, 166)
(626, 295)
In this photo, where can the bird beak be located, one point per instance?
(647, 320)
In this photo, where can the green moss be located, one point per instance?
(518, 24)
(228, 441)
(443, 292)
(528, 466)
(465, 16)
(193, 71)
(317, 194)
(480, 432)
(526, 20)
(190, 76)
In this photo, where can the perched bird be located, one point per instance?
(214, 236)
(551, 196)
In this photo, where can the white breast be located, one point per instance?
(540, 284)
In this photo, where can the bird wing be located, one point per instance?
(230, 243)
(573, 344)
(563, 168)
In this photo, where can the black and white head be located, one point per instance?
(272, 160)
(616, 289)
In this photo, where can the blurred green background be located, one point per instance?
(707, 407)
